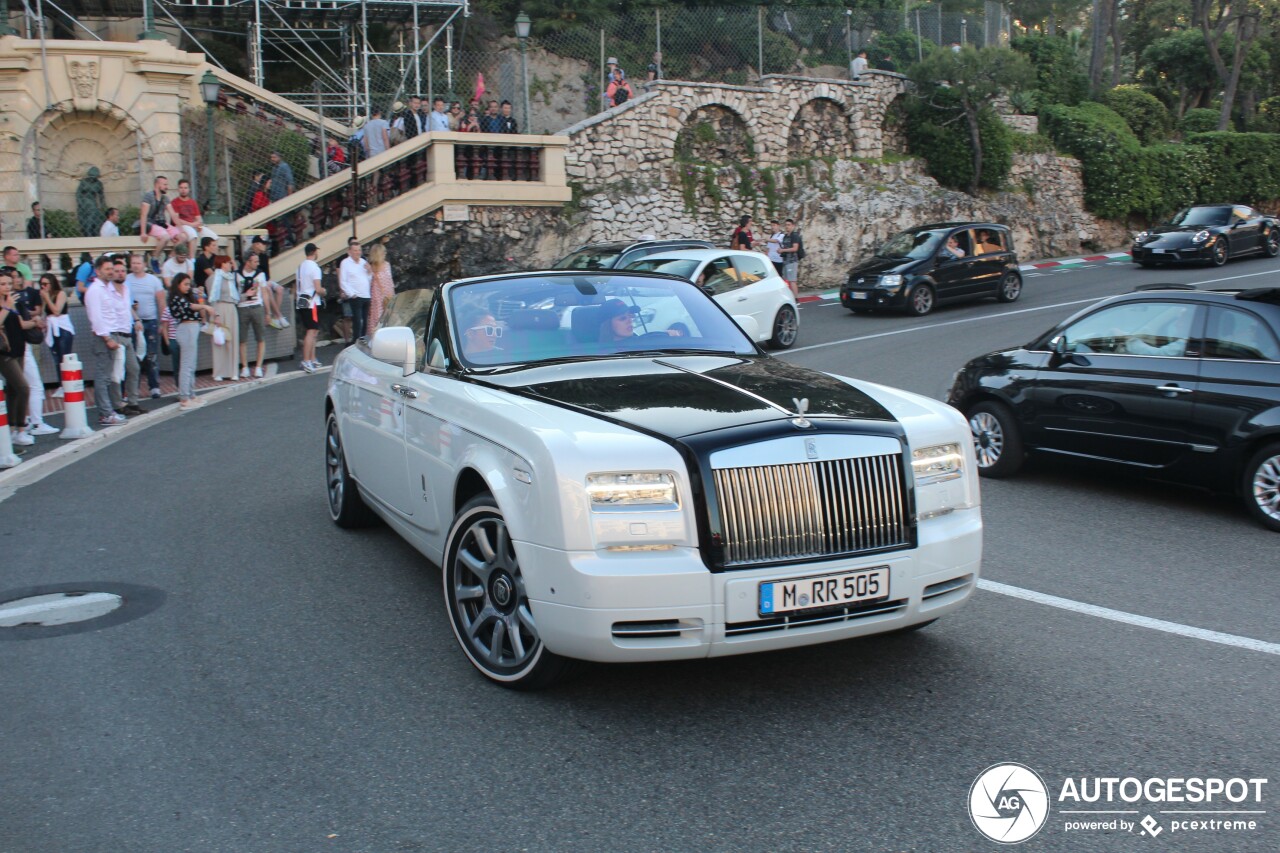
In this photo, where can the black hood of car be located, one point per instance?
(1166, 232)
(679, 396)
(876, 265)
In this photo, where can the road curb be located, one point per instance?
(30, 472)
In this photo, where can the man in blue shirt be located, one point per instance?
(439, 118)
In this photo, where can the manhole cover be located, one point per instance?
(58, 608)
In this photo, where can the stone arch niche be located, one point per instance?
(715, 134)
(820, 129)
(71, 141)
(893, 132)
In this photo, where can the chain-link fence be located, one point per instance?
(567, 66)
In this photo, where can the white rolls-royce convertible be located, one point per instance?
(607, 468)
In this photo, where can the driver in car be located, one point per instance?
(619, 323)
(481, 334)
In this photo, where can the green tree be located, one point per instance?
(962, 83)
(1060, 77)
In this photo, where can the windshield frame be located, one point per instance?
(702, 309)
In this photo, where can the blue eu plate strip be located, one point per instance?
(766, 598)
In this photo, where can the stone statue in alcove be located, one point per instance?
(91, 203)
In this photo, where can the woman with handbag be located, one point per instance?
(13, 352)
(186, 313)
(224, 297)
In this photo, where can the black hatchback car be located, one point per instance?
(920, 267)
(1208, 234)
(617, 255)
(1168, 382)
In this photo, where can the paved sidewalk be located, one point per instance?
(53, 406)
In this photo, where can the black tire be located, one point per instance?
(488, 606)
(786, 328)
(997, 439)
(1271, 243)
(1260, 486)
(1010, 287)
(346, 507)
(1146, 265)
(920, 300)
(1221, 252)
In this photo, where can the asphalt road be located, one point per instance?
(296, 687)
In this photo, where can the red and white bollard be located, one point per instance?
(7, 457)
(77, 420)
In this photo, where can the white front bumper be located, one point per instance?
(584, 603)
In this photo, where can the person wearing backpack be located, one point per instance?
(619, 90)
(742, 237)
(792, 252)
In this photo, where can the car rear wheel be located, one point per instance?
(1010, 287)
(1262, 486)
(920, 300)
(488, 604)
(1221, 252)
(1146, 265)
(996, 439)
(1271, 243)
(346, 507)
(786, 325)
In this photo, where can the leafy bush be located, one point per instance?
(1031, 143)
(1199, 121)
(903, 46)
(1146, 116)
(1059, 72)
(1109, 154)
(942, 140)
(61, 223)
(1174, 177)
(1268, 118)
(1239, 167)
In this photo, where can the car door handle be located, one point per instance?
(1174, 389)
(405, 391)
(742, 299)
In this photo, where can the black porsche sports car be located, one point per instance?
(1208, 233)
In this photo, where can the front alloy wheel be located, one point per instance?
(1220, 252)
(1271, 243)
(786, 325)
(920, 300)
(488, 604)
(1262, 486)
(996, 440)
(346, 507)
(1010, 287)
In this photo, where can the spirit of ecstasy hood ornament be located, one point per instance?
(802, 406)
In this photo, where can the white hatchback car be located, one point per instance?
(744, 283)
(600, 488)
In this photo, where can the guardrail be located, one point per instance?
(372, 198)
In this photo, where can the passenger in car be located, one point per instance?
(618, 321)
(1137, 346)
(952, 249)
(480, 335)
(985, 244)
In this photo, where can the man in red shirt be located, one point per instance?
(186, 215)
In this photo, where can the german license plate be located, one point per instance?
(859, 294)
(824, 591)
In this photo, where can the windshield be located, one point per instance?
(598, 258)
(912, 244)
(1202, 216)
(678, 266)
(527, 320)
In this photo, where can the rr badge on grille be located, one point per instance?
(811, 448)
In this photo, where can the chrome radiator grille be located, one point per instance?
(812, 509)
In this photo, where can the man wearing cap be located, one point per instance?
(619, 321)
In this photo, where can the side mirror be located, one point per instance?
(1059, 345)
(748, 324)
(395, 345)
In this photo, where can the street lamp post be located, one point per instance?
(149, 32)
(523, 26)
(209, 87)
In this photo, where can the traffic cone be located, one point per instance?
(77, 420)
(7, 457)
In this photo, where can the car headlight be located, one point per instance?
(937, 464)
(623, 490)
(1200, 237)
(1141, 235)
(890, 282)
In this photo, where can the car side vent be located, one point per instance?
(1164, 286)
(656, 629)
(934, 590)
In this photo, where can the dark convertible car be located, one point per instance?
(920, 267)
(1209, 233)
(1169, 382)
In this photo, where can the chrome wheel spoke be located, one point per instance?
(481, 537)
(496, 640)
(484, 617)
(513, 631)
(489, 598)
(1266, 487)
(479, 567)
(468, 592)
(526, 618)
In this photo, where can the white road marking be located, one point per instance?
(998, 316)
(1234, 277)
(1132, 618)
